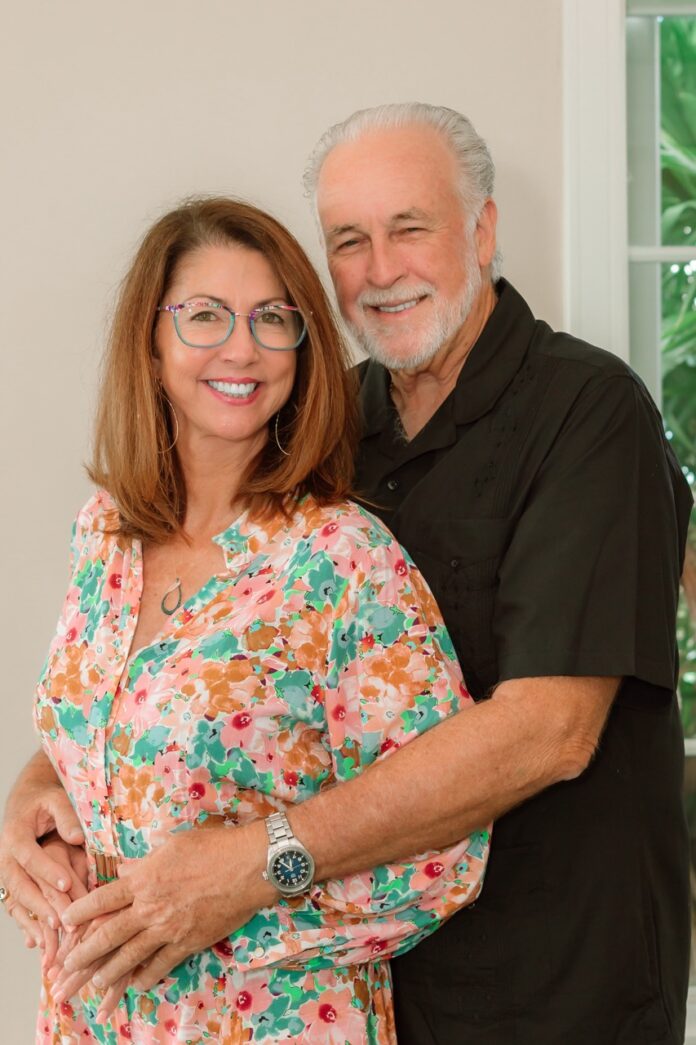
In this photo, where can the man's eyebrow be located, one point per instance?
(412, 214)
(340, 230)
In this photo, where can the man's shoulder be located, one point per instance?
(558, 347)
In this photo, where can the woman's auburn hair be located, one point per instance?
(134, 458)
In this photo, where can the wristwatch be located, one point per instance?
(290, 867)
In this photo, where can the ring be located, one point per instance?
(34, 917)
(4, 894)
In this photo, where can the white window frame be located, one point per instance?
(595, 178)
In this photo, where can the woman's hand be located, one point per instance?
(32, 874)
(186, 895)
(41, 934)
(74, 860)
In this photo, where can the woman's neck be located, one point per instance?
(212, 475)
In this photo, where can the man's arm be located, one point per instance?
(469, 769)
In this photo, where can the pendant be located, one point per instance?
(174, 590)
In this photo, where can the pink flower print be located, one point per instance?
(400, 568)
(434, 869)
(430, 870)
(239, 731)
(255, 599)
(331, 1019)
(138, 706)
(224, 948)
(254, 996)
(388, 745)
(115, 581)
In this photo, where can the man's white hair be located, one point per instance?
(476, 168)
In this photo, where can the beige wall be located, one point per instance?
(112, 112)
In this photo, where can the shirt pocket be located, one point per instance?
(460, 558)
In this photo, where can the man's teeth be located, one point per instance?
(231, 388)
(398, 308)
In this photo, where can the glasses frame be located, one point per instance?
(174, 311)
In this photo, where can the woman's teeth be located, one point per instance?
(231, 388)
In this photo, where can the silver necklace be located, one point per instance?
(174, 589)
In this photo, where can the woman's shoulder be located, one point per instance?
(95, 518)
(347, 520)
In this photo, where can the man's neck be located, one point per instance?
(417, 394)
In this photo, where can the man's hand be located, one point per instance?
(179, 899)
(36, 877)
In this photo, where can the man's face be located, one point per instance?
(406, 268)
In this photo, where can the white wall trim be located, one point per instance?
(595, 189)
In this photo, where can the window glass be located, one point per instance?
(661, 68)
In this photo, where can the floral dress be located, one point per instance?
(316, 650)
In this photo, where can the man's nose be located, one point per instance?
(386, 264)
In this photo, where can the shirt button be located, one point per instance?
(454, 563)
(393, 484)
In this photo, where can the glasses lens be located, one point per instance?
(203, 323)
(278, 326)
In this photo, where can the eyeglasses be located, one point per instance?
(208, 324)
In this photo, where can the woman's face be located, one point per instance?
(229, 392)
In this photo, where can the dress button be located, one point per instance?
(393, 484)
(454, 563)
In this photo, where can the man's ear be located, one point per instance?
(485, 233)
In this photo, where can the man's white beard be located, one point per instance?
(449, 317)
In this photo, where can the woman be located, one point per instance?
(237, 635)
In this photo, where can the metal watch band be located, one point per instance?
(279, 829)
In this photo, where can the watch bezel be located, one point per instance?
(301, 887)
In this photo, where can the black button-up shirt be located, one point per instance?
(546, 510)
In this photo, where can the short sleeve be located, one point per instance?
(589, 583)
(391, 675)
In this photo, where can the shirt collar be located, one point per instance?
(489, 368)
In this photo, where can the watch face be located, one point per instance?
(291, 869)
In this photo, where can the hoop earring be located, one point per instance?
(275, 432)
(167, 400)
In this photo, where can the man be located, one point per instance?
(527, 474)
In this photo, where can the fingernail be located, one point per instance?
(51, 973)
(101, 1018)
(59, 995)
(62, 883)
(69, 963)
(53, 921)
(98, 980)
